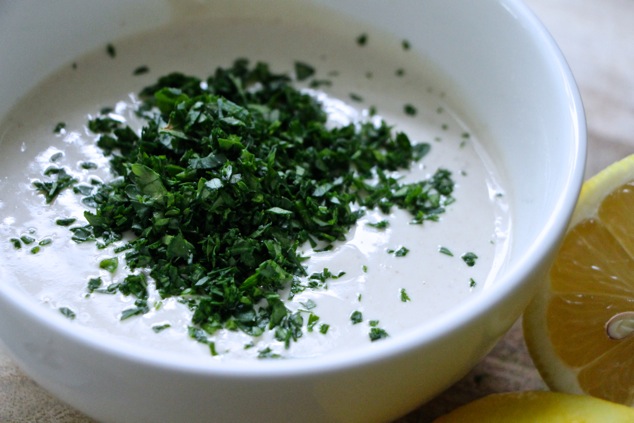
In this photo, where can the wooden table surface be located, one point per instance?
(596, 39)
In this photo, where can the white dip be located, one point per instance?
(374, 279)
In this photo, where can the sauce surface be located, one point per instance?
(385, 76)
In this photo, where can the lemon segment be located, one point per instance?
(539, 406)
(579, 328)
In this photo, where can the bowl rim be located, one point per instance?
(469, 311)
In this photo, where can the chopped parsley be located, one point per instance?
(56, 157)
(59, 180)
(161, 328)
(141, 307)
(67, 312)
(410, 110)
(27, 239)
(141, 70)
(228, 177)
(469, 258)
(404, 297)
(400, 252)
(59, 127)
(312, 321)
(44, 242)
(356, 317)
(381, 224)
(303, 71)
(356, 97)
(377, 333)
(88, 165)
(111, 51)
(109, 264)
(445, 251)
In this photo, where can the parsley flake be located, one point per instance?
(377, 333)
(446, 251)
(469, 258)
(404, 297)
(67, 312)
(111, 51)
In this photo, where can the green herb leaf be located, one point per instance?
(111, 51)
(65, 221)
(59, 127)
(401, 252)
(68, 313)
(377, 333)
(141, 70)
(109, 264)
(141, 308)
(303, 71)
(404, 297)
(410, 110)
(445, 250)
(469, 258)
(161, 328)
(59, 182)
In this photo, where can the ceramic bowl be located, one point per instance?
(504, 69)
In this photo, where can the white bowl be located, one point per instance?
(520, 97)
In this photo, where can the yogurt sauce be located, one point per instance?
(384, 75)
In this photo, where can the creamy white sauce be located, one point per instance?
(57, 276)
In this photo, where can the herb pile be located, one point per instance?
(226, 180)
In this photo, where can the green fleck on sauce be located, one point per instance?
(59, 127)
(404, 297)
(109, 264)
(303, 71)
(377, 333)
(111, 51)
(161, 328)
(67, 312)
(140, 70)
(410, 110)
(382, 224)
(445, 251)
(400, 252)
(469, 258)
(356, 97)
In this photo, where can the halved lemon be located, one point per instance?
(579, 329)
(537, 407)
